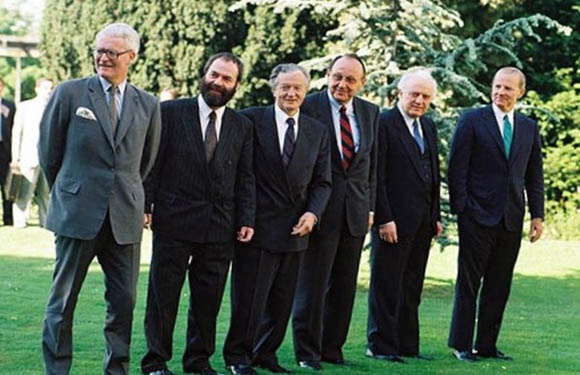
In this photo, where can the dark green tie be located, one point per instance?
(507, 135)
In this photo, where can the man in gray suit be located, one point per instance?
(98, 141)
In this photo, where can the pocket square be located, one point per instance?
(86, 113)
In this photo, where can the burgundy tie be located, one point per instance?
(347, 140)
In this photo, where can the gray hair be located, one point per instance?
(512, 70)
(286, 68)
(123, 31)
(419, 74)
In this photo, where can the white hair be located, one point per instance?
(417, 74)
(123, 31)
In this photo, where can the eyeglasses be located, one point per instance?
(112, 55)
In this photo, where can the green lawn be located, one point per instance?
(541, 326)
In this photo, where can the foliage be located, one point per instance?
(13, 23)
(177, 37)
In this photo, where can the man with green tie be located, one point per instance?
(495, 155)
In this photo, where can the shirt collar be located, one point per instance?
(499, 114)
(408, 119)
(106, 84)
(282, 116)
(205, 109)
(335, 105)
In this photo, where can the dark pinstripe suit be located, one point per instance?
(197, 208)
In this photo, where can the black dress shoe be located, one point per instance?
(272, 367)
(464, 355)
(495, 354)
(161, 372)
(310, 365)
(334, 361)
(385, 357)
(241, 370)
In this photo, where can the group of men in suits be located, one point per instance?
(285, 193)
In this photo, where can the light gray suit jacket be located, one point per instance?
(90, 171)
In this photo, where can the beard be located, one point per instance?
(215, 96)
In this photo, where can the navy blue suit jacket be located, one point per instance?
(487, 185)
(283, 194)
(401, 184)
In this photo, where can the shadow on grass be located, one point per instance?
(540, 328)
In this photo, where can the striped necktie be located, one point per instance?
(418, 137)
(346, 138)
(210, 137)
(289, 140)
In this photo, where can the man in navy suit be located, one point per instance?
(203, 197)
(407, 217)
(327, 283)
(292, 168)
(495, 156)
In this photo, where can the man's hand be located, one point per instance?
(147, 220)
(245, 234)
(304, 225)
(388, 232)
(371, 220)
(15, 166)
(438, 229)
(536, 227)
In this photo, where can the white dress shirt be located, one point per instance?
(204, 111)
(282, 125)
(409, 121)
(354, 126)
(119, 98)
(499, 114)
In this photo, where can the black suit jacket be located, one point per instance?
(284, 194)
(194, 201)
(483, 182)
(400, 180)
(6, 143)
(353, 190)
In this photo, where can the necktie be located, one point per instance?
(113, 110)
(289, 140)
(210, 137)
(346, 138)
(418, 137)
(507, 135)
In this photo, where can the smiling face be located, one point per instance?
(113, 70)
(506, 90)
(345, 79)
(220, 82)
(290, 90)
(415, 97)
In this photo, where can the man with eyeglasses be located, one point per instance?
(98, 141)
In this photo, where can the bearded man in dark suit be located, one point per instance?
(202, 196)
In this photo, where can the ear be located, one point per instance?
(522, 93)
(132, 56)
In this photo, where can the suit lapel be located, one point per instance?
(325, 115)
(192, 130)
(490, 123)
(408, 142)
(267, 134)
(227, 133)
(98, 102)
(128, 115)
(431, 140)
(518, 137)
(363, 121)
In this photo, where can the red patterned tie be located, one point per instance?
(346, 137)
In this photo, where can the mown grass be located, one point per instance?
(541, 327)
